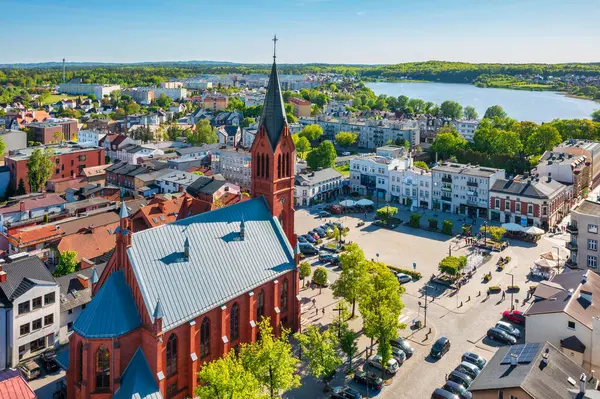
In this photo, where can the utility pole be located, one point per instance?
(64, 71)
(426, 287)
(512, 291)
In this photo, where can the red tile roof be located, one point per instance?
(14, 386)
(34, 116)
(161, 211)
(40, 201)
(91, 242)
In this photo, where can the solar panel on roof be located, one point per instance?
(525, 353)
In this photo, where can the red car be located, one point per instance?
(515, 316)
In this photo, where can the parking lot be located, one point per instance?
(463, 318)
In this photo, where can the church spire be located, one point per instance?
(273, 117)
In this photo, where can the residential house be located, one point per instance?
(411, 186)
(215, 192)
(91, 191)
(571, 170)
(466, 128)
(14, 386)
(32, 208)
(591, 150)
(122, 175)
(140, 95)
(233, 164)
(90, 243)
(91, 137)
(162, 210)
(565, 313)
(75, 294)
(533, 371)
(190, 157)
(176, 93)
(318, 186)
(215, 102)
(529, 201)
(146, 182)
(132, 153)
(248, 136)
(29, 310)
(177, 108)
(464, 189)
(583, 230)
(95, 174)
(112, 143)
(429, 126)
(302, 108)
(229, 135)
(69, 160)
(175, 181)
(233, 118)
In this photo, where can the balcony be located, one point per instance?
(446, 198)
(447, 179)
(472, 184)
(572, 246)
(572, 229)
(449, 189)
(472, 201)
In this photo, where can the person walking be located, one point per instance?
(503, 294)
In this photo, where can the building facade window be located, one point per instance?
(571, 325)
(205, 338)
(36, 303)
(530, 208)
(80, 369)
(38, 344)
(497, 203)
(260, 305)
(518, 207)
(49, 298)
(36, 324)
(592, 261)
(172, 356)
(593, 245)
(24, 307)
(24, 329)
(283, 296)
(234, 322)
(593, 228)
(102, 368)
(507, 205)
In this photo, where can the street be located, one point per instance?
(464, 318)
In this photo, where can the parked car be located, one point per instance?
(308, 249)
(335, 250)
(320, 232)
(469, 369)
(302, 239)
(48, 360)
(403, 278)
(346, 153)
(326, 257)
(509, 329)
(440, 393)
(441, 346)
(371, 380)
(345, 393)
(495, 334)
(457, 389)
(474, 358)
(404, 345)
(391, 366)
(515, 316)
(324, 214)
(30, 370)
(309, 238)
(314, 235)
(460, 378)
(399, 355)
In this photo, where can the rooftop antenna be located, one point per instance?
(64, 72)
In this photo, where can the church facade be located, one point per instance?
(178, 295)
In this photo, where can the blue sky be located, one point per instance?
(331, 31)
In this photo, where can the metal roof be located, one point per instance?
(22, 275)
(273, 116)
(137, 381)
(112, 313)
(221, 266)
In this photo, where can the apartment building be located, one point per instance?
(302, 108)
(54, 130)
(584, 239)
(175, 181)
(591, 150)
(411, 186)
(529, 201)
(90, 137)
(177, 93)
(233, 164)
(143, 96)
(100, 91)
(466, 128)
(317, 186)
(370, 175)
(569, 169)
(215, 102)
(29, 311)
(463, 189)
(13, 139)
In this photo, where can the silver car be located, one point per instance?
(508, 328)
(391, 366)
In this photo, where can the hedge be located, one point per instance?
(415, 220)
(447, 227)
(433, 223)
(453, 264)
(412, 273)
(494, 288)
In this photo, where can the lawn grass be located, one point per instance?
(54, 98)
(343, 169)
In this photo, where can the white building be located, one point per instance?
(90, 137)
(174, 93)
(317, 186)
(370, 175)
(175, 181)
(88, 88)
(466, 128)
(29, 309)
(464, 189)
(229, 135)
(132, 153)
(411, 187)
(233, 164)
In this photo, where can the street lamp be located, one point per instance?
(557, 257)
(426, 287)
(485, 225)
(512, 291)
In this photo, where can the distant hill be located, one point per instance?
(108, 64)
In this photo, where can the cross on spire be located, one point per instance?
(275, 40)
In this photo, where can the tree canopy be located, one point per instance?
(346, 139)
(495, 111)
(40, 168)
(67, 263)
(447, 142)
(203, 134)
(323, 156)
(311, 132)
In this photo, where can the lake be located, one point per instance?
(536, 106)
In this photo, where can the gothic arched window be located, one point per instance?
(260, 305)
(172, 356)
(234, 322)
(279, 166)
(80, 354)
(205, 338)
(283, 295)
(102, 368)
(288, 165)
(267, 166)
(257, 161)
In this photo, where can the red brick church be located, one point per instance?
(178, 295)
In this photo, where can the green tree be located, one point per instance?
(323, 156)
(452, 265)
(348, 345)
(386, 213)
(470, 113)
(345, 139)
(302, 145)
(227, 378)
(163, 101)
(67, 263)
(21, 188)
(203, 134)
(2, 147)
(353, 276)
(596, 115)
(544, 139)
(447, 143)
(235, 104)
(320, 277)
(447, 227)
(506, 142)
(311, 132)
(305, 271)
(495, 111)
(525, 129)
(451, 109)
(247, 122)
(380, 306)
(320, 350)
(40, 168)
(270, 360)
(421, 164)
(416, 106)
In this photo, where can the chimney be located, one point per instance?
(514, 359)
(587, 295)
(180, 188)
(85, 281)
(85, 264)
(186, 249)
(582, 379)
(22, 206)
(549, 177)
